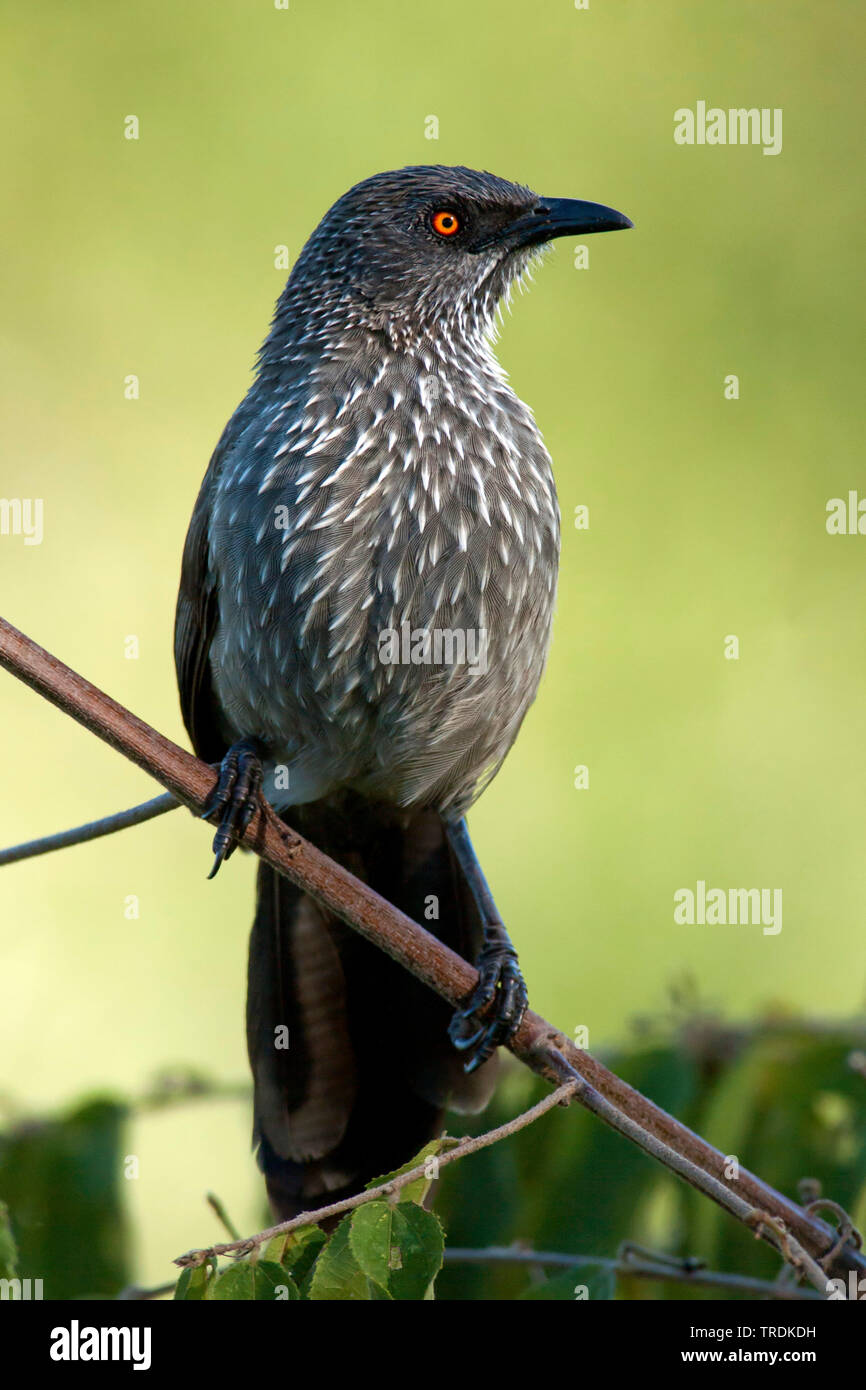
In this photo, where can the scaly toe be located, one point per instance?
(494, 1011)
(236, 795)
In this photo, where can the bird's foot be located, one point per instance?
(494, 1011)
(235, 798)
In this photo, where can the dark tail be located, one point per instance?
(351, 1060)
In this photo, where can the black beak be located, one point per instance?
(553, 217)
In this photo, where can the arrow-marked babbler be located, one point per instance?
(364, 615)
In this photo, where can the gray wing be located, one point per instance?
(195, 623)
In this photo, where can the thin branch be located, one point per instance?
(789, 1247)
(222, 1215)
(661, 1269)
(93, 830)
(461, 1147)
(180, 1088)
(134, 1293)
(537, 1043)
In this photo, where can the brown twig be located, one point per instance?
(536, 1043)
(461, 1147)
(770, 1227)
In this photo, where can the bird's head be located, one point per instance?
(434, 247)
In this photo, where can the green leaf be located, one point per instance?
(193, 1282)
(260, 1281)
(370, 1230)
(337, 1274)
(398, 1247)
(414, 1191)
(588, 1281)
(297, 1251)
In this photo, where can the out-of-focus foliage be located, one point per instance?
(787, 1100)
(62, 1183)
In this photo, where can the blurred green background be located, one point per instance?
(155, 257)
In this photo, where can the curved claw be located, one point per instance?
(236, 796)
(463, 1044)
(495, 1008)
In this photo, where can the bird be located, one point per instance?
(364, 614)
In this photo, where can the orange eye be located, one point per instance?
(446, 223)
